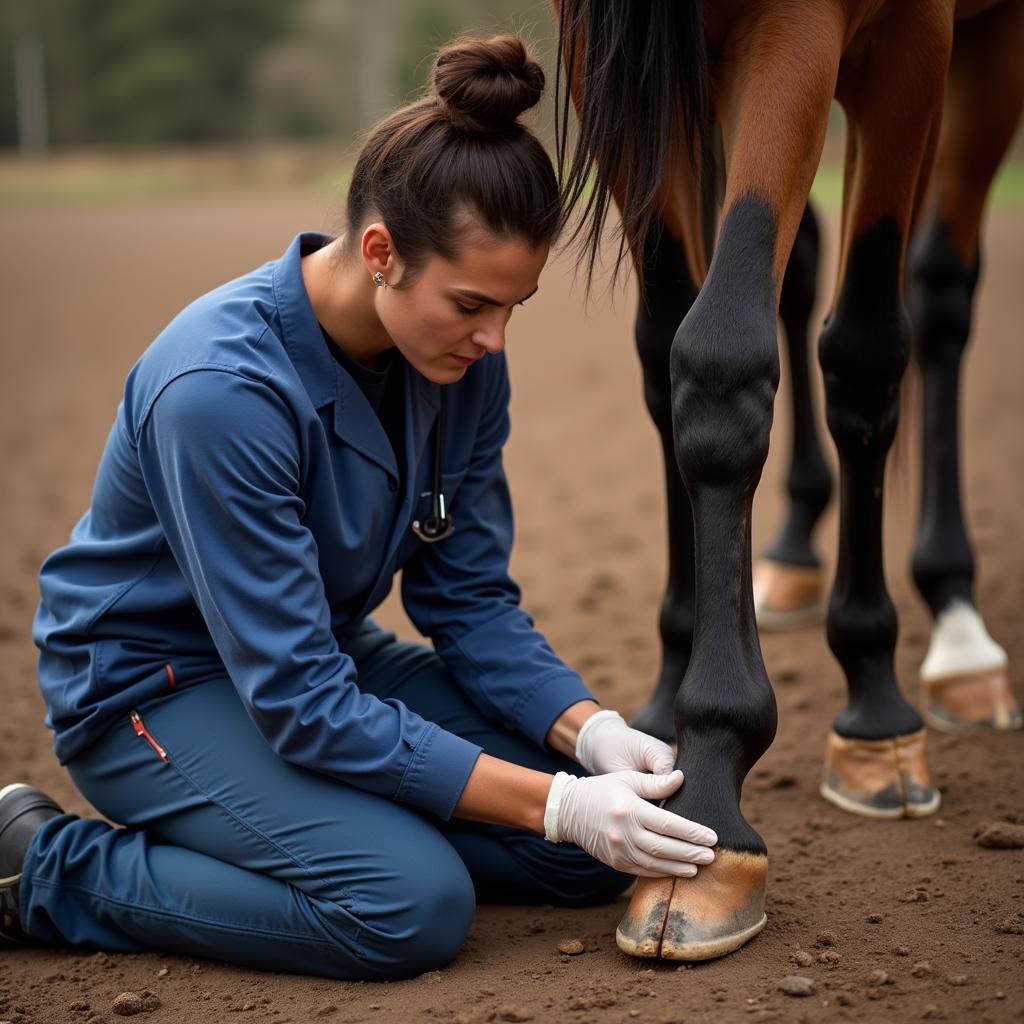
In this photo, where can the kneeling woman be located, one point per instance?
(299, 790)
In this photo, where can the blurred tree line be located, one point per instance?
(144, 72)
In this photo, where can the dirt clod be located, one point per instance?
(921, 969)
(570, 947)
(1012, 925)
(127, 1004)
(1000, 835)
(802, 958)
(796, 985)
(878, 977)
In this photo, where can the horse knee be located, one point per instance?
(725, 371)
(941, 297)
(864, 348)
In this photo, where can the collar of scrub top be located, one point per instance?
(326, 381)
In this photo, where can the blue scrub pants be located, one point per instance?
(231, 853)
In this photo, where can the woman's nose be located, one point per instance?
(491, 339)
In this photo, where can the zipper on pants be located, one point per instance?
(140, 730)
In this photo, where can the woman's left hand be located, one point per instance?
(606, 744)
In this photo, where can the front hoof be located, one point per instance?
(880, 778)
(970, 700)
(787, 596)
(698, 918)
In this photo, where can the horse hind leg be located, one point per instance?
(875, 760)
(965, 676)
(668, 293)
(789, 582)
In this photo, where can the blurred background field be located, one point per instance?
(122, 99)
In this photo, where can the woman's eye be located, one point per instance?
(468, 310)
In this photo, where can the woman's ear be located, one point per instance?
(378, 252)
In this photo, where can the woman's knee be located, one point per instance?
(416, 922)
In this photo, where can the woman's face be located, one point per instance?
(456, 311)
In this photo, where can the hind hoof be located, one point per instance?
(787, 596)
(970, 700)
(698, 918)
(880, 778)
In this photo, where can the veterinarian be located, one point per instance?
(298, 790)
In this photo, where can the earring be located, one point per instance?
(378, 280)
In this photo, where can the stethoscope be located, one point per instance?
(438, 524)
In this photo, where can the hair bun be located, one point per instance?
(485, 84)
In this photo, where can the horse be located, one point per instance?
(704, 124)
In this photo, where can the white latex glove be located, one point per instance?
(610, 817)
(606, 744)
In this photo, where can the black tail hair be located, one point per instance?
(645, 89)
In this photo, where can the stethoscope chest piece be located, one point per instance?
(434, 528)
(438, 524)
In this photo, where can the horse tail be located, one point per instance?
(640, 78)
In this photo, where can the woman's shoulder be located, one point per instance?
(223, 344)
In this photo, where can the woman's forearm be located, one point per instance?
(501, 793)
(562, 735)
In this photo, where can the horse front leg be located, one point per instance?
(724, 373)
(773, 106)
(789, 582)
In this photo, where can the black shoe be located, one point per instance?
(23, 811)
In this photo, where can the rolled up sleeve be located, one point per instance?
(459, 593)
(220, 455)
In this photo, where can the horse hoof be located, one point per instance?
(880, 778)
(698, 918)
(787, 596)
(970, 700)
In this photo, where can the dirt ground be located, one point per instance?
(892, 921)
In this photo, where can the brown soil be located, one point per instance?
(889, 921)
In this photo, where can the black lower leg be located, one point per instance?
(668, 294)
(942, 290)
(724, 376)
(809, 481)
(864, 349)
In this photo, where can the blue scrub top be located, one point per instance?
(249, 513)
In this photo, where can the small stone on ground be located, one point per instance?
(796, 985)
(570, 947)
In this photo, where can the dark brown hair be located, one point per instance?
(460, 149)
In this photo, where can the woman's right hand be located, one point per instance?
(611, 818)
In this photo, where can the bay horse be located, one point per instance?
(680, 104)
